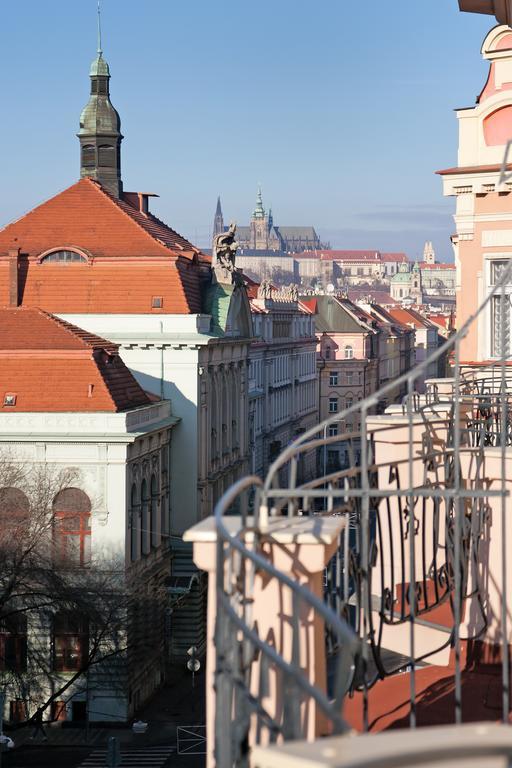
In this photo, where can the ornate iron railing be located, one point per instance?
(426, 482)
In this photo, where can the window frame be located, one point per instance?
(69, 641)
(69, 525)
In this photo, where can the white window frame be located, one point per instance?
(486, 343)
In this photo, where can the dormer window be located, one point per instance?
(64, 257)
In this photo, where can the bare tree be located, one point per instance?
(63, 614)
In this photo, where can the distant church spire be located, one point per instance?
(259, 211)
(100, 129)
(218, 221)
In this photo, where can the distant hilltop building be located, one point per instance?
(424, 279)
(263, 235)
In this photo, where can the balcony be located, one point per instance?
(377, 596)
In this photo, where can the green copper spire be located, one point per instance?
(99, 29)
(259, 211)
(100, 128)
(99, 67)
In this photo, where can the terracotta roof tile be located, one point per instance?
(132, 257)
(51, 365)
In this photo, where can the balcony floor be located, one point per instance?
(389, 699)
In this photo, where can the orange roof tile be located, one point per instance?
(51, 365)
(132, 257)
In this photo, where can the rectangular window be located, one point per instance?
(70, 641)
(157, 302)
(333, 379)
(333, 430)
(17, 710)
(498, 268)
(333, 405)
(500, 325)
(349, 402)
(350, 377)
(13, 644)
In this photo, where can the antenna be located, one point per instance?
(99, 29)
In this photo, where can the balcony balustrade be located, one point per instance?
(377, 595)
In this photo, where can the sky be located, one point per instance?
(342, 110)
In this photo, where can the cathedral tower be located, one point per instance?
(100, 130)
(429, 254)
(259, 225)
(218, 221)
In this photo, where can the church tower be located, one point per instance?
(218, 221)
(429, 255)
(259, 225)
(100, 130)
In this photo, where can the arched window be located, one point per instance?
(88, 156)
(72, 528)
(134, 523)
(64, 257)
(144, 518)
(349, 352)
(154, 512)
(14, 518)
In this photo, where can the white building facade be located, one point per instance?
(283, 381)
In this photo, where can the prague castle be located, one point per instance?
(263, 235)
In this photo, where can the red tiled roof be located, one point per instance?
(51, 365)
(349, 255)
(132, 257)
(473, 169)
(410, 317)
(394, 257)
(310, 305)
(437, 265)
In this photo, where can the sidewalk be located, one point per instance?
(176, 704)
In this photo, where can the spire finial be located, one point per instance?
(99, 29)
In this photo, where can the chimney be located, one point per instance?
(14, 257)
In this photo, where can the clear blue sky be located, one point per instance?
(343, 120)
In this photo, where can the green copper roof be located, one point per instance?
(99, 67)
(401, 277)
(259, 211)
(217, 300)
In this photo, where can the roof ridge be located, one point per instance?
(109, 384)
(115, 203)
(163, 224)
(96, 342)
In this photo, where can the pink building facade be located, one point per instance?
(482, 185)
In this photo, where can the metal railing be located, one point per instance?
(425, 487)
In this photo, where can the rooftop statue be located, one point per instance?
(224, 249)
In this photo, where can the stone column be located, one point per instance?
(300, 547)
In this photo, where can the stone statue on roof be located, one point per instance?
(265, 290)
(225, 248)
